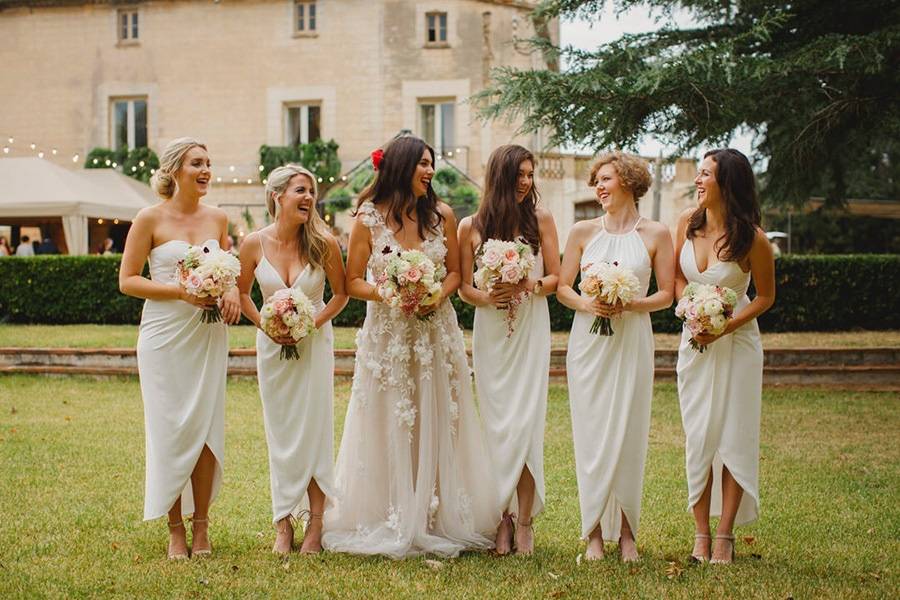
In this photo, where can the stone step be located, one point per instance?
(863, 368)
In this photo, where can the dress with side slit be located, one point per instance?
(720, 392)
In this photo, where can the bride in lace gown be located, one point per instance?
(411, 473)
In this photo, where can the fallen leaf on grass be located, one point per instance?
(578, 560)
(203, 581)
(874, 575)
(13, 410)
(434, 565)
(556, 594)
(114, 546)
(234, 568)
(748, 539)
(12, 429)
(68, 418)
(137, 558)
(673, 571)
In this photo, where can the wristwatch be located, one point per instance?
(538, 287)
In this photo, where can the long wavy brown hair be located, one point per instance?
(393, 186)
(499, 216)
(742, 214)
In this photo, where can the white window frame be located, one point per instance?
(307, 7)
(132, 33)
(438, 104)
(304, 120)
(438, 16)
(129, 118)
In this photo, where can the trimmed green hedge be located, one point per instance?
(814, 293)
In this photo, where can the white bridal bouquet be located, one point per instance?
(207, 272)
(612, 283)
(411, 280)
(504, 262)
(705, 309)
(288, 313)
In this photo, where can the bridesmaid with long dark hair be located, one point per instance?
(512, 371)
(721, 243)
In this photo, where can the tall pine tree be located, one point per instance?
(816, 81)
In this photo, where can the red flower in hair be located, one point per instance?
(377, 157)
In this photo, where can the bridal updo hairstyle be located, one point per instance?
(163, 180)
(633, 170)
(393, 185)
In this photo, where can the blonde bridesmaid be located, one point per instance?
(296, 252)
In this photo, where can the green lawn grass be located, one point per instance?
(244, 336)
(71, 488)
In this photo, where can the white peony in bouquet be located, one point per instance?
(411, 280)
(504, 262)
(207, 272)
(288, 313)
(612, 283)
(705, 309)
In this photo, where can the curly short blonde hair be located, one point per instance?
(633, 170)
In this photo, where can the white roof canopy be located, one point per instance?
(34, 187)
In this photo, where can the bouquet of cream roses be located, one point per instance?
(612, 283)
(705, 309)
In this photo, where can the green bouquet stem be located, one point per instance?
(290, 352)
(211, 315)
(602, 326)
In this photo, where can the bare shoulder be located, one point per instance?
(583, 229)
(446, 211)
(685, 216)
(465, 223)
(656, 229)
(544, 216)
(148, 216)
(216, 213)
(251, 244)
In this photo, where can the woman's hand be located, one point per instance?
(426, 309)
(230, 307)
(705, 339)
(281, 341)
(204, 303)
(599, 308)
(503, 293)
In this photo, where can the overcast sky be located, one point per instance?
(589, 35)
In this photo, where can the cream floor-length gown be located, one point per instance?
(511, 377)
(720, 392)
(182, 363)
(610, 391)
(297, 398)
(411, 472)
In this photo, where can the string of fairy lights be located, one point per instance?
(237, 174)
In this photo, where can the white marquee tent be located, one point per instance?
(34, 187)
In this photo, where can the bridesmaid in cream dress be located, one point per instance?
(296, 251)
(720, 243)
(182, 361)
(512, 373)
(611, 377)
